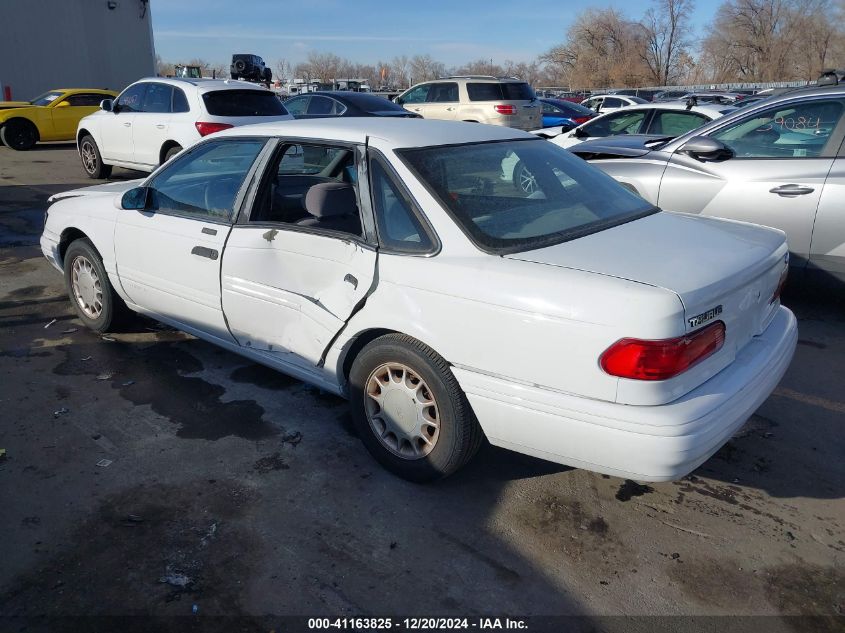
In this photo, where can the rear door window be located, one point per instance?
(443, 93)
(508, 91)
(157, 98)
(243, 103)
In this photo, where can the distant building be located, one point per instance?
(73, 44)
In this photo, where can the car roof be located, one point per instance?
(204, 85)
(100, 90)
(360, 99)
(401, 132)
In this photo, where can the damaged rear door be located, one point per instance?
(302, 256)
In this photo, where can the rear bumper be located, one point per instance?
(647, 443)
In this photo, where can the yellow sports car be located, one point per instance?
(51, 117)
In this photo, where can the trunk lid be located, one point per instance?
(721, 270)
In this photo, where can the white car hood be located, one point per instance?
(109, 188)
(693, 256)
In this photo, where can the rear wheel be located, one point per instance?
(19, 134)
(172, 152)
(89, 289)
(410, 411)
(92, 161)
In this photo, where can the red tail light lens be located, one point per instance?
(781, 284)
(581, 119)
(505, 109)
(205, 128)
(659, 360)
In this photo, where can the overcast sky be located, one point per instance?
(365, 31)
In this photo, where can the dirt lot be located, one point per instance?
(244, 492)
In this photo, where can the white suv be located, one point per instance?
(475, 98)
(153, 119)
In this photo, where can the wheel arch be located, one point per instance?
(364, 338)
(26, 121)
(71, 234)
(82, 132)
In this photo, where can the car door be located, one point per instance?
(300, 261)
(781, 158)
(827, 248)
(115, 140)
(150, 129)
(442, 101)
(76, 106)
(168, 254)
(415, 99)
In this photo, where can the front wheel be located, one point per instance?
(92, 160)
(410, 411)
(19, 134)
(89, 289)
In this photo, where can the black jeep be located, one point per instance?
(250, 67)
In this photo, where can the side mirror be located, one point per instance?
(135, 199)
(705, 148)
(106, 105)
(63, 104)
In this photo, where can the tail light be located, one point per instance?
(205, 128)
(781, 283)
(505, 109)
(581, 119)
(639, 359)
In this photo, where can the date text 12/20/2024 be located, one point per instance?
(416, 624)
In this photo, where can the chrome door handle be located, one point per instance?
(160, 126)
(450, 109)
(791, 190)
(127, 124)
(350, 279)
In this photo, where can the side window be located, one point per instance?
(86, 100)
(485, 91)
(130, 100)
(321, 106)
(157, 98)
(616, 123)
(180, 101)
(311, 186)
(675, 123)
(443, 93)
(297, 105)
(204, 183)
(417, 95)
(548, 108)
(613, 102)
(399, 228)
(798, 130)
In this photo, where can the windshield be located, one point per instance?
(47, 98)
(524, 194)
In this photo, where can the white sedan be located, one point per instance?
(386, 261)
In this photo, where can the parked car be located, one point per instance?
(153, 119)
(476, 99)
(51, 117)
(250, 67)
(655, 119)
(565, 114)
(344, 103)
(610, 103)
(777, 163)
(384, 261)
(670, 95)
(644, 93)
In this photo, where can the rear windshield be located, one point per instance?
(575, 109)
(520, 195)
(243, 103)
(510, 91)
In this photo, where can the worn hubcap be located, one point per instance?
(526, 180)
(89, 158)
(87, 289)
(402, 411)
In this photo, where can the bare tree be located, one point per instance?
(284, 70)
(424, 68)
(666, 28)
(324, 66)
(400, 67)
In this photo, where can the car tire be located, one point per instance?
(19, 134)
(171, 153)
(88, 287)
(523, 180)
(397, 380)
(92, 160)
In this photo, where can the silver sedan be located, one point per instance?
(779, 163)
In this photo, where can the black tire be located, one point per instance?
(92, 160)
(113, 309)
(19, 134)
(240, 66)
(459, 432)
(171, 153)
(267, 75)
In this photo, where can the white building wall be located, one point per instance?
(48, 44)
